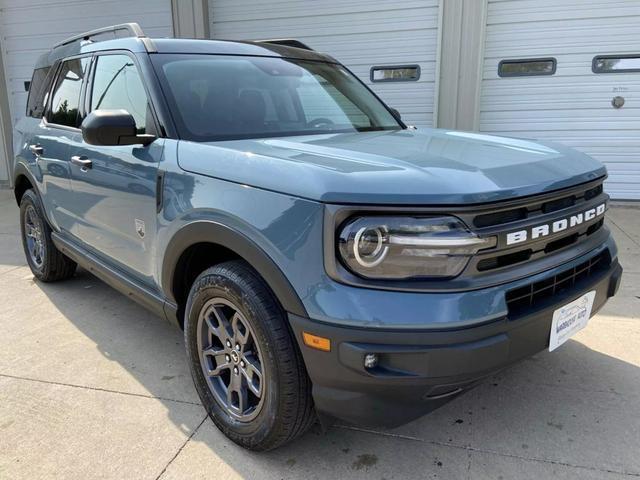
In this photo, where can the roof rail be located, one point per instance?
(287, 42)
(133, 29)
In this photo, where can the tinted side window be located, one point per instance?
(116, 85)
(40, 82)
(66, 95)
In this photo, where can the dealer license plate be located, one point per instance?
(570, 319)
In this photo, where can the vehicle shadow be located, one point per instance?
(574, 406)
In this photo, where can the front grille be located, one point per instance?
(535, 208)
(530, 296)
(504, 260)
(539, 210)
(500, 218)
(509, 259)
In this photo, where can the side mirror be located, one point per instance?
(396, 114)
(112, 127)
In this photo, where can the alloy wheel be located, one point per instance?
(34, 236)
(230, 358)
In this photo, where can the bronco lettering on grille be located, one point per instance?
(545, 229)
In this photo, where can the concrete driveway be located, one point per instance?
(93, 386)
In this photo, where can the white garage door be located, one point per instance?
(29, 28)
(573, 105)
(359, 33)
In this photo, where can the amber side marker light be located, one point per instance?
(314, 341)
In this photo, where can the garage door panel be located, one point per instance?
(510, 11)
(568, 28)
(360, 34)
(349, 48)
(508, 50)
(344, 25)
(568, 73)
(232, 10)
(573, 106)
(586, 116)
(37, 19)
(501, 99)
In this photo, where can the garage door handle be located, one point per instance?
(83, 162)
(37, 149)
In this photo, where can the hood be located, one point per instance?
(394, 167)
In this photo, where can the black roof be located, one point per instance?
(231, 47)
(140, 44)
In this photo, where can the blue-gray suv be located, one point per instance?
(324, 260)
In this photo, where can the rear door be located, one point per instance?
(48, 146)
(115, 186)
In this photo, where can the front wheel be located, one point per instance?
(244, 361)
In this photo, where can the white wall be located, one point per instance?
(573, 106)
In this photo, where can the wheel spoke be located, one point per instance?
(231, 389)
(237, 397)
(240, 331)
(253, 374)
(219, 325)
(220, 359)
(243, 397)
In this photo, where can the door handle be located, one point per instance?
(83, 162)
(36, 149)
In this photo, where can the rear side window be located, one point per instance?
(40, 82)
(65, 99)
(117, 85)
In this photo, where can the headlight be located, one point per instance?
(408, 247)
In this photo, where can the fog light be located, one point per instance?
(370, 360)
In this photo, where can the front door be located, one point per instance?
(115, 186)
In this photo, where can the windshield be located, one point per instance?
(217, 97)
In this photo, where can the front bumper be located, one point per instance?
(420, 370)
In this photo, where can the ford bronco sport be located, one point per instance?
(324, 260)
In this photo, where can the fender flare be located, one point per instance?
(206, 231)
(21, 169)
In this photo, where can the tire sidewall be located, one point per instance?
(211, 285)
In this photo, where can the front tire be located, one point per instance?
(246, 366)
(46, 262)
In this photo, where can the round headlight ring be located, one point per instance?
(380, 251)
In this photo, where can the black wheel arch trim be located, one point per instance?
(206, 231)
(20, 169)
